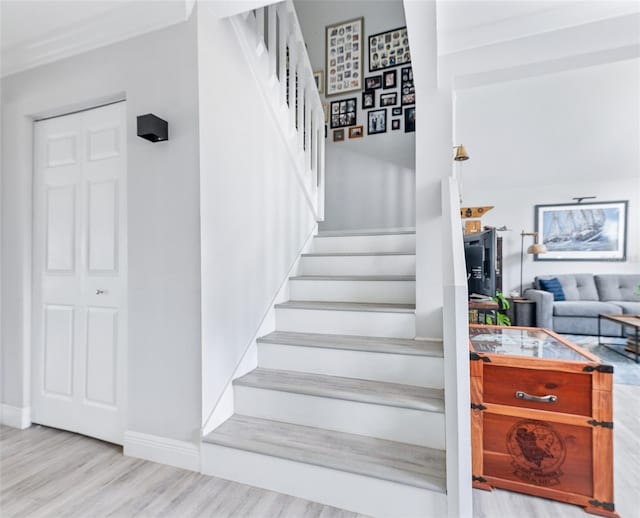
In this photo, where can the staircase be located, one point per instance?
(345, 408)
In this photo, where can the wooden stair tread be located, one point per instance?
(356, 343)
(350, 389)
(348, 306)
(355, 254)
(387, 460)
(411, 278)
(355, 233)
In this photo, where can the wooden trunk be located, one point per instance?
(541, 417)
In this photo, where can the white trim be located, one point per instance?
(15, 417)
(181, 454)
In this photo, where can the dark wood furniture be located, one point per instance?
(633, 342)
(541, 417)
(479, 311)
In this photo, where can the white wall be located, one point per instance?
(255, 218)
(370, 182)
(157, 73)
(548, 139)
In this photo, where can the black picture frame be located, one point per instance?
(407, 88)
(373, 82)
(388, 99)
(377, 122)
(395, 124)
(368, 99)
(593, 231)
(389, 79)
(344, 113)
(389, 49)
(396, 111)
(338, 135)
(410, 119)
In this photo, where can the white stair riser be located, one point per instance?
(391, 292)
(422, 371)
(381, 421)
(385, 243)
(356, 493)
(361, 323)
(359, 265)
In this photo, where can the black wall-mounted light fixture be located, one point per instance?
(152, 128)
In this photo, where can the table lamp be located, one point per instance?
(535, 248)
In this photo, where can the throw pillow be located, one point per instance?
(553, 286)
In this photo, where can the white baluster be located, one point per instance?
(272, 14)
(300, 106)
(309, 85)
(283, 16)
(320, 198)
(260, 48)
(293, 66)
(317, 127)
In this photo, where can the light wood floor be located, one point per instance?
(50, 473)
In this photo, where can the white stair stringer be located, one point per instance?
(396, 289)
(394, 360)
(344, 318)
(364, 475)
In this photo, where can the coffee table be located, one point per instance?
(632, 321)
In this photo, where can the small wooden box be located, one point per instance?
(541, 417)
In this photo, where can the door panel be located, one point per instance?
(61, 228)
(58, 350)
(80, 274)
(103, 225)
(102, 355)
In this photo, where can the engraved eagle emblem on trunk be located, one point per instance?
(537, 451)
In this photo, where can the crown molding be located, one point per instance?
(126, 20)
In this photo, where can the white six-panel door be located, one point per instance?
(80, 273)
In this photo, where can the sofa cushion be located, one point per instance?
(629, 308)
(584, 308)
(554, 287)
(618, 287)
(576, 286)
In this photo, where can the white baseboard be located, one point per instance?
(14, 416)
(181, 454)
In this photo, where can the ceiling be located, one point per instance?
(33, 32)
(466, 24)
(25, 22)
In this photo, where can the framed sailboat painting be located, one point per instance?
(595, 231)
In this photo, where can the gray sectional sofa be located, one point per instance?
(586, 296)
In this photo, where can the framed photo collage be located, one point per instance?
(388, 93)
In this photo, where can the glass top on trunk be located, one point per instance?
(532, 342)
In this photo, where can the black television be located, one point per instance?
(480, 257)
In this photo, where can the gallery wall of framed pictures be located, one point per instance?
(387, 93)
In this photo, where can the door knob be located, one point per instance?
(100, 292)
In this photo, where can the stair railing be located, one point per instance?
(272, 41)
(456, 354)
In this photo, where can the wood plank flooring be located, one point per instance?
(373, 344)
(50, 473)
(351, 389)
(387, 460)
